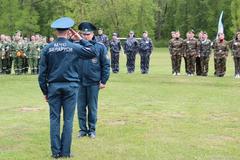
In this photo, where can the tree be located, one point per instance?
(18, 15)
(235, 12)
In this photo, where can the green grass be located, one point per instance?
(141, 117)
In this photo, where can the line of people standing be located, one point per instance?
(196, 53)
(131, 47)
(20, 52)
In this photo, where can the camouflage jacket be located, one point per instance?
(220, 49)
(17, 46)
(191, 47)
(235, 47)
(176, 46)
(33, 49)
(205, 48)
(2, 50)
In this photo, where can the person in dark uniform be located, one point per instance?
(102, 38)
(145, 51)
(59, 82)
(130, 49)
(94, 74)
(115, 48)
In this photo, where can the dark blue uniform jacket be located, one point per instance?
(95, 70)
(58, 59)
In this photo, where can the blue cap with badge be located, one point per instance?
(86, 27)
(63, 23)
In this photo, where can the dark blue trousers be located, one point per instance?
(62, 96)
(145, 59)
(131, 57)
(87, 103)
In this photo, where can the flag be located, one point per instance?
(220, 24)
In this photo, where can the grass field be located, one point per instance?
(141, 117)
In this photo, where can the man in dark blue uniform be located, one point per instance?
(145, 51)
(102, 38)
(94, 74)
(130, 49)
(115, 48)
(59, 79)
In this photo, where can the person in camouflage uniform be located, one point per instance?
(176, 51)
(18, 55)
(2, 53)
(130, 49)
(235, 47)
(102, 38)
(220, 47)
(50, 39)
(191, 51)
(34, 53)
(198, 58)
(25, 58)
(41, 45)
(205, 52)
(8, 45)
(115, 48)
(145, 51)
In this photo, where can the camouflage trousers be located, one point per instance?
(4, 65)
(237, 65)
(185, 64)
(204, 65)
(1, 65)
(25, 65)
(9, 65)
(176, 63)
(33, 64)
(18, 65)
(198, 66)
(191, 61)
(131, 57)
(220, 66)
(144, 63)
(115, 62)
(38, 61)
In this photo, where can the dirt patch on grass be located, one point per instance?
(223, 116)
(176, 114)
(116, 122)
(30, 109)
(220, 139)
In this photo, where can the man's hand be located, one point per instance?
(46, 98)
(102, 86)
(74, 35)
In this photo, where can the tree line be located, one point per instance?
(158, 17)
